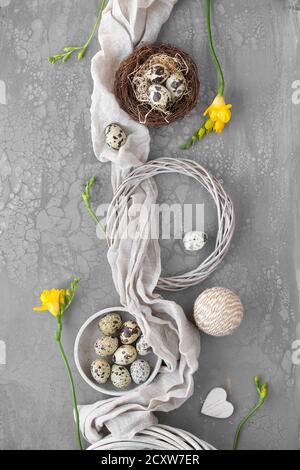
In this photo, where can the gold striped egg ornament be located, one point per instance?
(218, 311)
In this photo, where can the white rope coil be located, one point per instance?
(223, 203)
(218, 311)
(159, 437)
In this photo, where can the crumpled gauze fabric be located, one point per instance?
(135, 263)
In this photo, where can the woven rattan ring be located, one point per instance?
(126, 84)
(157, 437)
(225, 213)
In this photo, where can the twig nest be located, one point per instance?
(218, 311)
(194, 240)
(153, 65)
(115, 137)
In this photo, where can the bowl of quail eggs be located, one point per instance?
(112, 355)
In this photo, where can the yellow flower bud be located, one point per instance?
(264, 391)
(209, 125)
(201, 133)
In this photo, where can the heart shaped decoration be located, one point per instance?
(216, 404)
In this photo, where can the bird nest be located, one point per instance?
(131, 85)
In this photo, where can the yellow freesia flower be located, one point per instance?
(52, 300)
(219, 113)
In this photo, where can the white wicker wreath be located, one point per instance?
(224, 206)
(157, 437)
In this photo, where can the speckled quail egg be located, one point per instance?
(142, 346)
(129, 332)
(194, 241)
(115, 137)
(140, 371)
(100, 370)
(125, 355)
(106, 346)
(120, 376)
(159, 96)
(157, 74)
(176, 85)
(109, 324)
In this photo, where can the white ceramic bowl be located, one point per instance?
(84, 353)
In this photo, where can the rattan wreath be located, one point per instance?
(157, 437)
(223, 203)
(142, 112)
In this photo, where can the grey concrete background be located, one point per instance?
(46, 236)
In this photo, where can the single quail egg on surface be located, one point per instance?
(140, 371)
(106, 346)
(100, 370)
(176, 85)
(125, 355)
(194, 241)
(159, 96)
(142, 346)
(120, 376)
(115, 137)
(129, 332)
(109, 324)
(157, 74)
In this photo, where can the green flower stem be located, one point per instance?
(95, 25)
(263, 393)
(212, 49)
(200, 133)
(68, 51)
(68, 369)
(86, 196)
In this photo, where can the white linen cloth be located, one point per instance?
(136, 264)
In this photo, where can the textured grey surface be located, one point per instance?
(46, 236)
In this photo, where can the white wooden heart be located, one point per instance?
(216, 404)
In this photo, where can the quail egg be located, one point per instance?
(176, 85)
(120, 376)
(194, 241)
(159, 96)
(140, 371)
(115, 137)
(109, 324)
(125, 355)
(129, 332)
(157, 74)
(142, 346)
(106, 346)
(100, 370)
